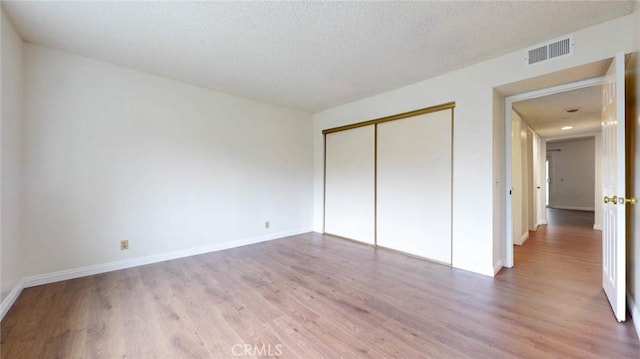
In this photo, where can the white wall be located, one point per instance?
(525, 164)
(573, 174)
(531, 180)
(474, 188)
(11, 160)
(542, 213)
(522, 197)
(113, 154)
(518, 191)
(536, 190)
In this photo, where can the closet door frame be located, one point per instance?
(375, 122)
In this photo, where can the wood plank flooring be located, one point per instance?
(315, 296)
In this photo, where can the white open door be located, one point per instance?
(613, 187)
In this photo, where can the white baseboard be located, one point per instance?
(497, 266)
(484, 269)
(635, 313)
(522, 239)
(597, 227)
(11, 298)
(574, 208)
(47, 278)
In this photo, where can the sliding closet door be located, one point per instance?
(414, 185)
(349, 184)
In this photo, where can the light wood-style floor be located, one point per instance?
(315, 296)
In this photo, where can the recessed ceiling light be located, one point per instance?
(564, 128)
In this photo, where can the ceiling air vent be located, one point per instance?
(550, 50)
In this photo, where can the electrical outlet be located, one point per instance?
(124, 245)
(266, 225)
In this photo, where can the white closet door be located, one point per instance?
(414, 185)
(349, 184)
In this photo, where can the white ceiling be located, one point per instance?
(302, 55)
(546, 115)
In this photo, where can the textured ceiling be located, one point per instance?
(547, 114)
(303, 55)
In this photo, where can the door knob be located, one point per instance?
(606, 199)
(631, 200)
(613, 199)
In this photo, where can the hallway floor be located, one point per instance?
(560, 266)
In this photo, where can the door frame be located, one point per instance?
(507, 259)
(548, 179)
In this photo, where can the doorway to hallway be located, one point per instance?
(561, 267)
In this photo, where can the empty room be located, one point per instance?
(313, 180)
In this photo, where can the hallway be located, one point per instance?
(559, 268)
